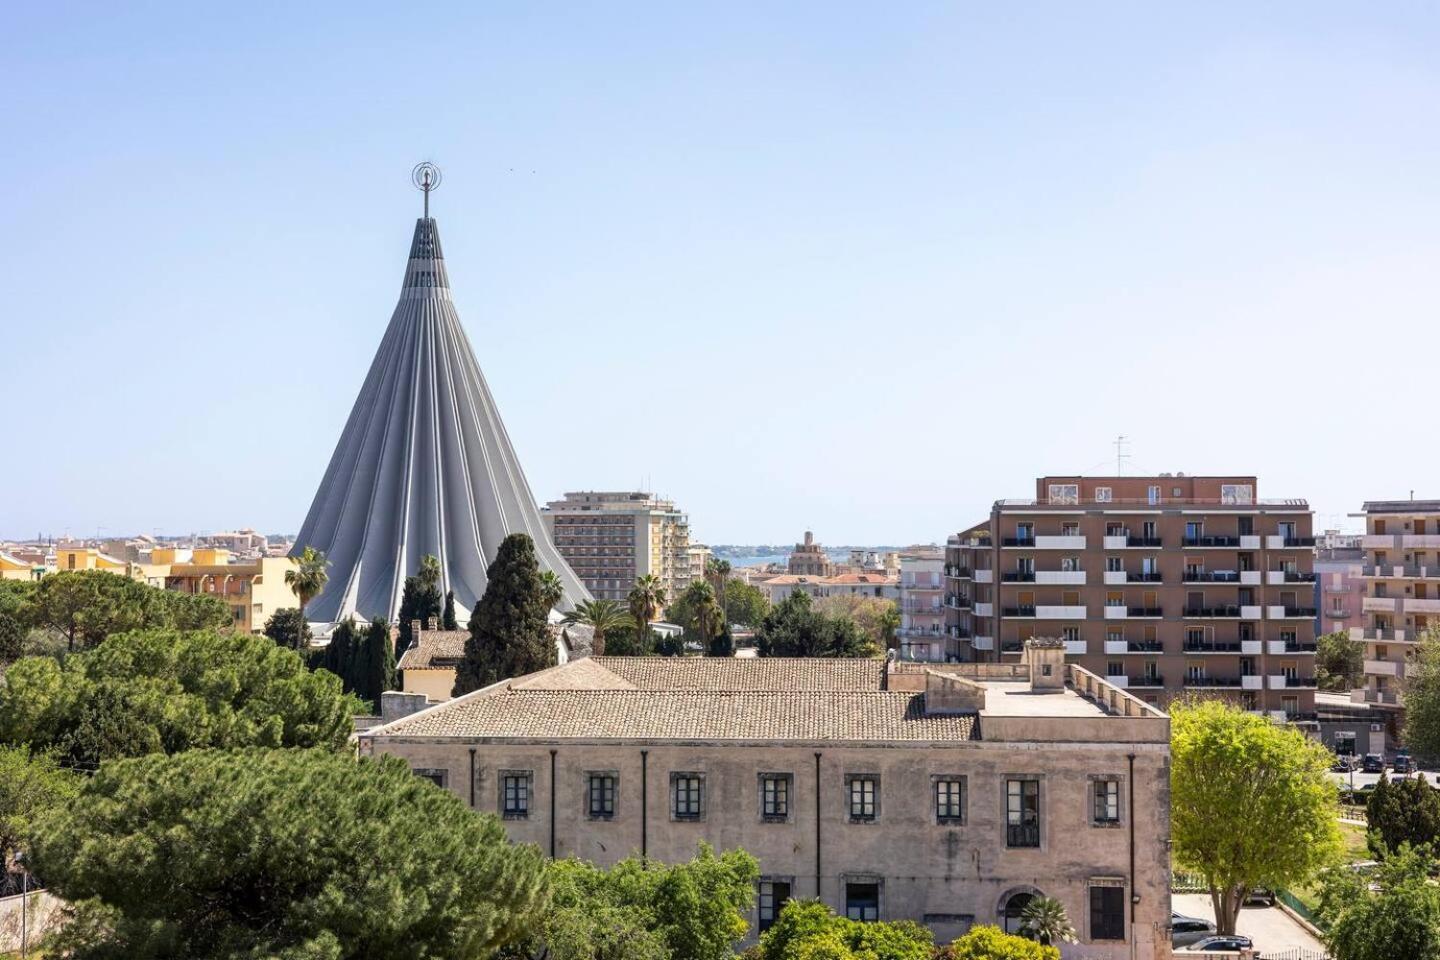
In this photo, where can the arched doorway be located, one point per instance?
(1014, 909)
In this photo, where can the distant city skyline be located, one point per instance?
(850, 268)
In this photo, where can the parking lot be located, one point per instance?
(1271, 928)
(1362, 780)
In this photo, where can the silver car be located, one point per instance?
(1187, 930)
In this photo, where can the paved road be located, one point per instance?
(1271, 928)
(1369, 779)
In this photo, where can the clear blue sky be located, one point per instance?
(857, 267)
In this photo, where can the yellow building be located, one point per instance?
(253, 590)
(13, 568)
(87, 558)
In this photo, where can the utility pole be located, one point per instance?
(1120, 455)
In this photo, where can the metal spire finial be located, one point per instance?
(426, 177)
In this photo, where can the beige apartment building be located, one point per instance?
(922, 607)
(252, 589)
(1401, 572)
(948, 795)
(1166, 585)
(610, 539)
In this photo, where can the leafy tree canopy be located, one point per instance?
(992, 943)
(163, 691)
(29, 785)
(644, 910)
(877, 618)
(509, 633)
(282, 853)
(793, 628)
(745, 603)
(808, 930)
(15, 600)
(1422, 697)
(1389, 913)
(1339, 662)
(419, 601)
(86, 606)
(1405, 811)
(287, 627)
(1252, 803)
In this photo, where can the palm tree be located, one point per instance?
(706, 616)
(718, 573)
(889, 622)
(551, 589)
(647, 599)
(1044, 919)
(307, 578)
(429, 572)
(602, 616)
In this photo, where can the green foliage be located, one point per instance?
(308, 577)
(30, 784)
(509, 635)
(86, 606)
(605, 617)
(162, 691)
(626, 642)
(551, 589)
(1406, 811)
(287, 627)
(1252, 802)
(644, 910)
(447, 617)
(1339, 662)
(1044, 919)
(744, 603)
(877, 618)
(809, 929)
(1390, 913)
(646, 599)
(793, 628)
(419, 602)
(374, 669)
(723, 643)
(282, 853)
(697, 610)
(16, 597)
(1422, 696)
(992, 943)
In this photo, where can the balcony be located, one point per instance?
(1211, 576)
(957, 572)
(1387, 698)
(1062, 577)
(1249, 542)
(1213, 613)
(1378, 541)
(1017, 576)
(1420, 541)
(1250, 648)
(983, 643)
(1378, 604)
(1218, 646)
(1338, 613)
(1213, 682)
(1250, 578)
(984, 576)
(1064, 542)
(1025, 612)
(1278, 612)
(1252, 681)
(1277, 542)
(1116, 646)
(1147, 576)
(1115, 542)
(1250, 611)
(1223, 543)
(1385, 668)
(1114, 578)
(1060, 612)
(1421, 605)
(1075, 648)
(958, 602)
(957, 633)
(1118, 680)
(1026, 542)
(1140, 646)
(1011, 646)
(1147, 681)
(1022, 835)
(1283, 682)
(984, 609)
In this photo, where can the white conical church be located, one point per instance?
(424, 465)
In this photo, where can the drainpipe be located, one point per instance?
(472, 778)
(1134, 895)
(817, 826)
(552, 804)
(644, 798)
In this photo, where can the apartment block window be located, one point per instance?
(1106, 810)
(1114, 668)
(1114, 564)
(1148, 527)
(515, 794)
(1153, 495)
(1237, 493)
(1102, 494)
(864, 795)
(1069, 529)
(1022, 813)
(1025, 565)
(862, 901)
(1024, 531)
(687, 795)
(1291, 705)
(773, 895)
(1070, 633)
(600, 796)
(1107, 911)
(775, 796)
(1113, 529)
(1150, 565)
(950, 799)
(1064, 493)
(1070, 564)
(1114, 636)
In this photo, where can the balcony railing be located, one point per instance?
(1301, 647)
(959, 573)
(1219, 646)
(1212, 681)
(1017, 542)
(1299, 541)
(1299, 681)
(1027, 611)
(1152, 577)
(1212, 576)
(1020, 576)
(1010, 646)
(1022, 835)
(1144, 646)
(1210, 541)
(1301, 611)
(1225, 612)
(1147, 612)
(1296, 576)
(958, 602)
(1144, 541)
(1147, 681)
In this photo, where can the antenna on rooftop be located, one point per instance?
(426, 177)
(1120, 455)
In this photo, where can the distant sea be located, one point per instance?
(780, 558)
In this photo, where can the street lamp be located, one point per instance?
(24, 906)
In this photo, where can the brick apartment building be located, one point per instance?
(1164, 585)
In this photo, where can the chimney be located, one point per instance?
(1046, 657)
(414, 630)
(432, 623)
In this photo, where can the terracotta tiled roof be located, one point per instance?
(810, 716)
(747, 674)
(434, 648)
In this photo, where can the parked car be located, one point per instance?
(1345, 762)
(1230, 944)
(1403, 763)
(1260, 895)
(1374, 763)
(1187, 930)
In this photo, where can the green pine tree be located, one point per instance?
(447, 619)
(375, 671)
(508, 630)
(340, 654)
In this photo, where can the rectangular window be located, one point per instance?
(862, 901)
(687, 795)
(1107, 801)
(864, 798)
(600, 796)
(1022, 813)
(772, 899)
(1064, 493)
(1114, 564)
(950, 800)
(1153, 494)
(1069, 529)
(1107, 913)
(437, 777)
(515, 794)
(775, 796)
(1102, 494)
(1237, 493)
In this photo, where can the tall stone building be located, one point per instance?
(809, 559)
(949, 795)
(611, 538)
(1164, 585)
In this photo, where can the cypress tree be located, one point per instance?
(447, 619)
(509, 635)
(420, 600)
(340, 654)
(375, 671)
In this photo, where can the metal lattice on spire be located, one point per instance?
(424, 465)
(426, 177)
